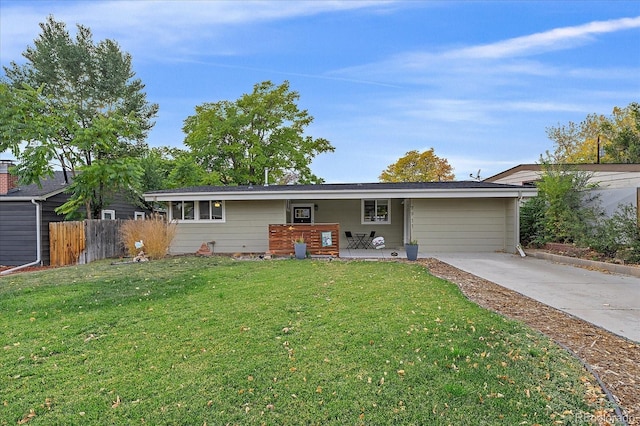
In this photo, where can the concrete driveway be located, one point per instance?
(610, 301)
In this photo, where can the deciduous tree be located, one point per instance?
(418, 167)
(623, 132)
(613, 139)
(262, 130)
(76, 105)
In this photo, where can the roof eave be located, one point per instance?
(41, 197)
(345, 194)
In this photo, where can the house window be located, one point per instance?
(182, 210)
(376, 211)
(108, 215)
(211, 211)
(138, 215)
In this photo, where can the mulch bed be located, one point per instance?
(614, 359)
(27, 269)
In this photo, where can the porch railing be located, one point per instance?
(321, 238)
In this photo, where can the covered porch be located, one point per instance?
(326, 240)
(376, 254)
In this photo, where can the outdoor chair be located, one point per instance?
(353, 243)
(368, 244)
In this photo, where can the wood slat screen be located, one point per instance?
(67, 242)
(281, 238)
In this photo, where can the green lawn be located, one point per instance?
(213, 340)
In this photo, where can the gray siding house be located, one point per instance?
(443, 216)
(26, 211)
(617, 184)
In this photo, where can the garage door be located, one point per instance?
(459, 225)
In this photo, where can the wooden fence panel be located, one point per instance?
(74, 243)
(103, 240)
(67, 242)
(281, 238)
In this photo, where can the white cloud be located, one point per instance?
(153, 28)
(556, 39)
(488, 60)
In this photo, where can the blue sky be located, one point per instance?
(477, 81)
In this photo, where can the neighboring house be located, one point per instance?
(442, 216)
(617, 184)
(24, 209)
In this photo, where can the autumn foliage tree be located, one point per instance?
(598, 138)
(622, 131)
(418, 167)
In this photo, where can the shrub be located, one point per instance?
(155, 233)
(570, 208)
(605, 238)
(563, 211)
(532, 222)
(618, 236)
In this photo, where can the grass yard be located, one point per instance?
(216, 341)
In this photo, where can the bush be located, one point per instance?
(532, 222)
(564, 209)
(155, 233)
(605, 238)
(618, 236)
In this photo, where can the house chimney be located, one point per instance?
(7, 180)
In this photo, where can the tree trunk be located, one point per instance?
(87, 206)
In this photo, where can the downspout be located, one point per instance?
(38, 243)
(517, 230)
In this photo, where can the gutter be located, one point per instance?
(331, 194)
(38, 243)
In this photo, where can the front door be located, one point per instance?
(302, 213)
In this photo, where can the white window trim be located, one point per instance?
(138, 215)
(104, 213)
(196, 212)
(368, 222)
(180, 220)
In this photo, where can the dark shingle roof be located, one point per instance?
(338, 187)
(49, 186)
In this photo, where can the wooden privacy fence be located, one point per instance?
(321, 238)
(73, 243)
(66, 242)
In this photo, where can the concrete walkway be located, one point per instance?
(608, 300)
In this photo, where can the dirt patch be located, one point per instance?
(586, 253)
(27, 269)
(615, 359)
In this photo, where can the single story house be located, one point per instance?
(617, 184)
(442, 216)
(26, 211)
